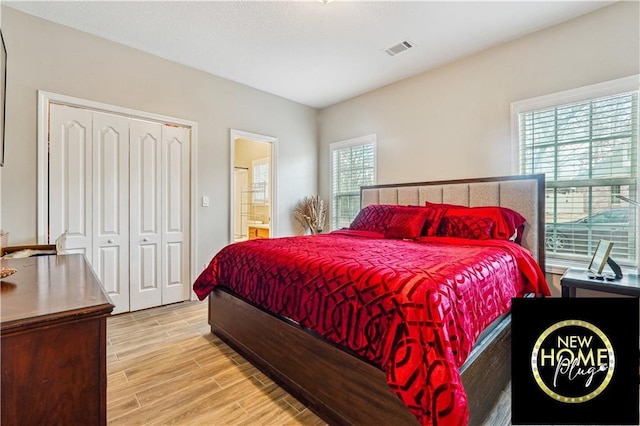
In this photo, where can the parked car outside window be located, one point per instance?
(582, 235)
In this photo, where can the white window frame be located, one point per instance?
(607, 88)
(361, 140)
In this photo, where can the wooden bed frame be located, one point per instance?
(345, 390)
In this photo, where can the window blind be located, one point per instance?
(352, 167)
(588, 152)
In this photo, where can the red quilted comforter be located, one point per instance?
(415, 309)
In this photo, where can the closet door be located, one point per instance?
(145, 214)
(111, 206)
(70, 178)
(119, 188)
(175, 217)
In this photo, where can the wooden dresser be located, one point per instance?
(53, 342)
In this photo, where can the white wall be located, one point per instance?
(454, 122)
(44, 55)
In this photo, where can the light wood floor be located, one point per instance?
(165, 367)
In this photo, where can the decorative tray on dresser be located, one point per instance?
(53, 342)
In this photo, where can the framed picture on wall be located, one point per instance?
(3, 94)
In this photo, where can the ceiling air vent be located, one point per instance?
(398, 48)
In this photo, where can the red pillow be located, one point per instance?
(407, 222)
(390, 220)
(506, 220)
(374, 218)
(470, 227)
(435, 215)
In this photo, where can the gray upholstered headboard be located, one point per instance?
(522, 193)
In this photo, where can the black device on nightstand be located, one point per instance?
(617, 271)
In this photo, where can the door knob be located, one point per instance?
(110, 241)
(144, 240)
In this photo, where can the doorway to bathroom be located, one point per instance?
(252, 186)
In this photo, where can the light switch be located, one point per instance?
(205, 201)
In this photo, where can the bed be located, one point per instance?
(432, 348)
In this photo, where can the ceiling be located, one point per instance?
(306, 51)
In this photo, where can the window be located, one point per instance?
(260, 180)
(586, 143)
(353, 164)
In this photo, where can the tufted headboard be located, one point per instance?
(522, 193)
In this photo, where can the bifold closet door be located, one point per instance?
(89, 192)
(70, 178)
(145, 184)
(111, 206)
(175, 217)
(119, 188)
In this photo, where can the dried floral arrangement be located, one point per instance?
(311, 212)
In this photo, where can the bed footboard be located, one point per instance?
(338, 387)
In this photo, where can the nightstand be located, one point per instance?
(575, 278)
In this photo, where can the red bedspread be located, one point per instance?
(415, 309)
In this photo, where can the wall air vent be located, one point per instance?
(398, 48)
